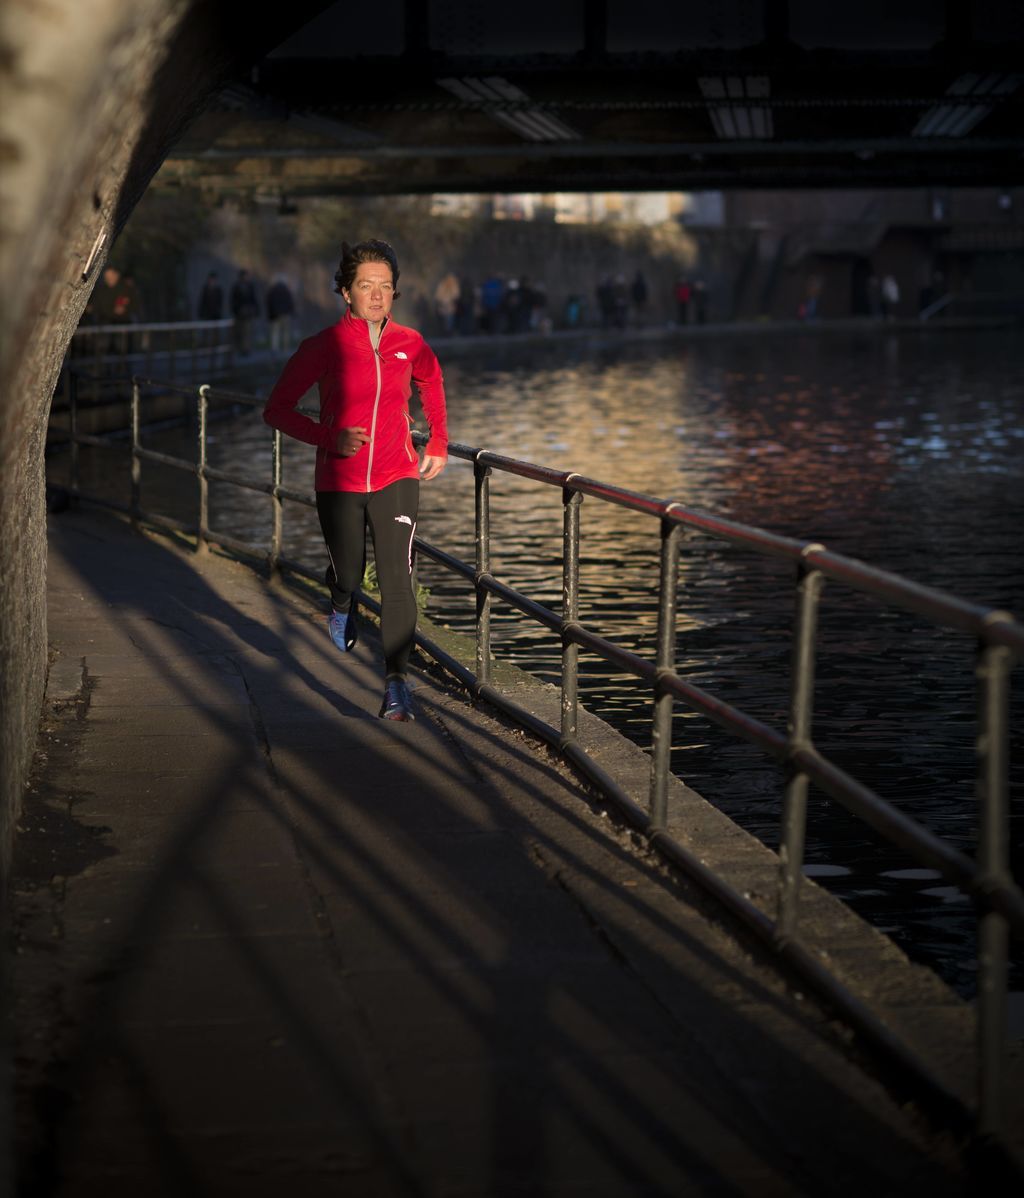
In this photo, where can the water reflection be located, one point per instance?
(906, 452)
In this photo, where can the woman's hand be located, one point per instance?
(352, 440)
(432, 466)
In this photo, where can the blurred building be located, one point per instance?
(643, 208)
(958, 251)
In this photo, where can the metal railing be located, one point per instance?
(936, 306)
(977, 305)
(188, 347)
(1000, 644)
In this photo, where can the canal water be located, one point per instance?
(904, 450)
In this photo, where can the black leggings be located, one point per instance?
(391, 515)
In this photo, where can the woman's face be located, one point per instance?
(372, 292)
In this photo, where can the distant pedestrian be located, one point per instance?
(890, 296)
(492, 296)
(244, 309)
(540, 319)
(446, 301)
(518, 302)
(510, 304)
(604, 294)
(874, 291)
(467, 308)
(638, 293)
(136, 315)
(280, 310)
(810, 308)
(211, 299)
(619, 302)
(683, 293)
(115, 301)
(700, 301)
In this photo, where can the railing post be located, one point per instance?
(571, 501)
(277, 509)
(482, 476)
(661, 732)
(801, 710)
(73, 428)
(136, 499)
(97, 370)
(993, 671)
(204, 487)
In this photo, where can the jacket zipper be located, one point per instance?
(376, 402)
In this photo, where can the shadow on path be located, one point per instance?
(317, 951)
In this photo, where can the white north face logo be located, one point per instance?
(402, 520)
(404, 357)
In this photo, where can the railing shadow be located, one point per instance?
(987, 880)
(565, 1040)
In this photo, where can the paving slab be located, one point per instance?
(269, 943)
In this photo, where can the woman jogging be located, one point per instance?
(367, 469)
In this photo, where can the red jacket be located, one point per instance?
(361, 386)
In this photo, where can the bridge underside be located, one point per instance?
(574, 105)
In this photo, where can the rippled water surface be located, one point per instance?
(905, 451)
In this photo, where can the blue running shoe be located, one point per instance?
(342, 627)
(397, 703)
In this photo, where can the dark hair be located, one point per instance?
(353, 256)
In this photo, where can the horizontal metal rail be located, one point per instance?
(937, 606)
(162, 459)
(219, 394)
(237, 480)
(999, 637)
(628, 148)
(153, 326)
(634, 102)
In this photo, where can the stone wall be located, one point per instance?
(92, 95)
(76, 89)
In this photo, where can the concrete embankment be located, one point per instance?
(267, 941)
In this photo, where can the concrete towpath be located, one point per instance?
(269, 944)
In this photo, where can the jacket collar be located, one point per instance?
(354, 326)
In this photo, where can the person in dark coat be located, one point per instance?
(606, 301)
(245, 308)
(638, 293)
(700, 301)
(280, 310)
(683, 294)
(211, 299)
(492, 301)
(115, 301)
